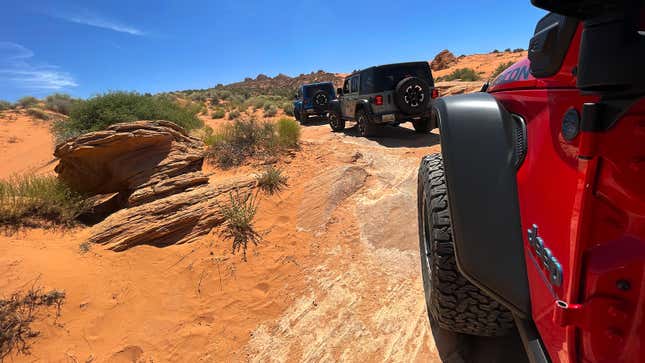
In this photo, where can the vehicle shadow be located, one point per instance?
(398, 136)
(315, 121)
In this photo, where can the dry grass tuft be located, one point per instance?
(272, 180)
(239, 214)
(18, 312)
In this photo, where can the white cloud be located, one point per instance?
(99, 22)
(17, 67)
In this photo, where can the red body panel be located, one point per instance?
(590, 212)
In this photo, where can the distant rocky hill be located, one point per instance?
(282, 83)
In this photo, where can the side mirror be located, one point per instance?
(339, 91)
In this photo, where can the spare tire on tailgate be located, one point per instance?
(320, 100)
(411, 95)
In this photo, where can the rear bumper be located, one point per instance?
(397, 117)
(313, 111)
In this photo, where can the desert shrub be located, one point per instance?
(18, 312)
(104, 110)
(244, 138)
(218, 113)
(239, 214)
(495, 51)
(507, 49)
(234, 114)
(464, 74)
(516, 50)
(288, 108)
(272, 180)
(5, 105)
(59, 102)
(30, 199)
(28, 101)
(37, 113)
(501, 68)
(288, 132)
(271, 111)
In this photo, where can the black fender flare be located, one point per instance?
(334, 106)
(364, 105)
(478, 148)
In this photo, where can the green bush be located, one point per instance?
(37, 113)
(60, 102)
(495, 51)
(218, 113)
(28, 199)
(516, 50)
(28, 101)
(507, 50)
(5, 105)
(271, 111)
(288, 132)
(235, 142)
(288, 108)
(501, 68)
(463, 74)
(272, 180)
(234, 114)
(104, 110)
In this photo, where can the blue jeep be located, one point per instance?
(313, 100)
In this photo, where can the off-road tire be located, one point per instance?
(336, 123)
(412, 95)
(365, 126)
(302, 117)
(453, 302)
(421, 126)
(315, 100)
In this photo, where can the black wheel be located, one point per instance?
(454, 304)
(365, 126)
(421, 126)
(412, 95)
(320, 100)
(337, 124)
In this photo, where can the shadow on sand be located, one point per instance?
(398, 136)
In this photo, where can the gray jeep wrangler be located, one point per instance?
(388, 94)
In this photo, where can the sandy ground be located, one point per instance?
(26, 144)
(336, 277)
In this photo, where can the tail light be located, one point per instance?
(435, 93)
(378, 100)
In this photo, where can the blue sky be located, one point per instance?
(88, 47)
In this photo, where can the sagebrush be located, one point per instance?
(37, 113)
(60, 102)
(28, 101)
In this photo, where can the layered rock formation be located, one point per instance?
(145, 180)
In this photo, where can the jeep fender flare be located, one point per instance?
(364, 105)
(334, 106)
(477, 145)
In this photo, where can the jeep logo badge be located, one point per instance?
(544, 255)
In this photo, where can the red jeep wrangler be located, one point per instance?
(532, 218)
